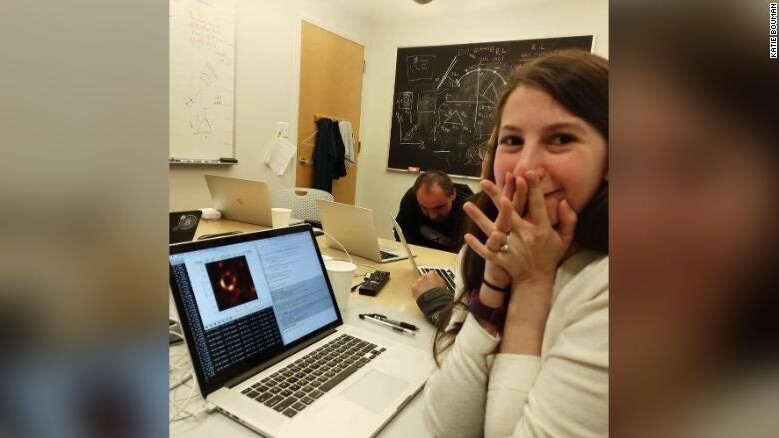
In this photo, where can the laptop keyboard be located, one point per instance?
(387, 255)
(299, 384)
(445, 273)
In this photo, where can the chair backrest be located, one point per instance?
(301, 200)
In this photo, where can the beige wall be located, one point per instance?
(266, 94)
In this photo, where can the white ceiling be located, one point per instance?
(379, 10)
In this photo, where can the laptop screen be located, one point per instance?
(246, 299)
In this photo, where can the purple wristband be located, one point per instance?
(494, 315)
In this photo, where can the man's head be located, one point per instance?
(435, 193)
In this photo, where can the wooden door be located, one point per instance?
(331, 70)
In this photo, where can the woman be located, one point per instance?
(524, 349)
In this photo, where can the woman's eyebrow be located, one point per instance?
(571, 126)
(566, 126)
(509, 128)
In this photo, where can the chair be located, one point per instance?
(301, 200)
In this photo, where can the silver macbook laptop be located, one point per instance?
(242, 200)
(444, 271)
(268, 343)
(353, 227)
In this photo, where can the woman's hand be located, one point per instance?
(529, 254)
(530, 249)
(496, 231)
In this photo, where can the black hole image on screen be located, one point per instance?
(231, 282)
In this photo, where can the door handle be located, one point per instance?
(304, 162)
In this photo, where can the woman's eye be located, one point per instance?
(512, 140)
(561, 139)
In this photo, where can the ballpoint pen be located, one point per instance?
(394, 322)
(374, 320)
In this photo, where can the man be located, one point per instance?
(431, 212)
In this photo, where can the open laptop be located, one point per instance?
(353, 227)
(242, 200)
(268, 343)
(183, 225)
(444, 271)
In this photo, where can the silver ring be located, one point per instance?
(505, 246)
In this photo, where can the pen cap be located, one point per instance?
(407, 325)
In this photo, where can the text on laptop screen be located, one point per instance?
(250, 299)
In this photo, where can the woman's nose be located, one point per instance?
(529, 159)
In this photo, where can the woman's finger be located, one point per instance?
(520, 195)
(496, 240)
(503, 221)
(482, 221)
(536, 212)
(515, 189)
(491, 190)
(509, 186)
(479, 248)
(567, 218)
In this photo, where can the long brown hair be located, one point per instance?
(577, 80)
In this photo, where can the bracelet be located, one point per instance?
(496, 288)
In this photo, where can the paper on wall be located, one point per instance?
(280, 152)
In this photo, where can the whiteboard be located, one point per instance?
(202, 78)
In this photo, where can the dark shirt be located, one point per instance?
(419, 230)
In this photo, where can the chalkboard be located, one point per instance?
(445, 96)
(202, 78)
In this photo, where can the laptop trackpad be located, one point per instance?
(375, 390)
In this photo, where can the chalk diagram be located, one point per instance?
(453, 117)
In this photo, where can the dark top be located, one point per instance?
(328, 155)
(419, 230)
